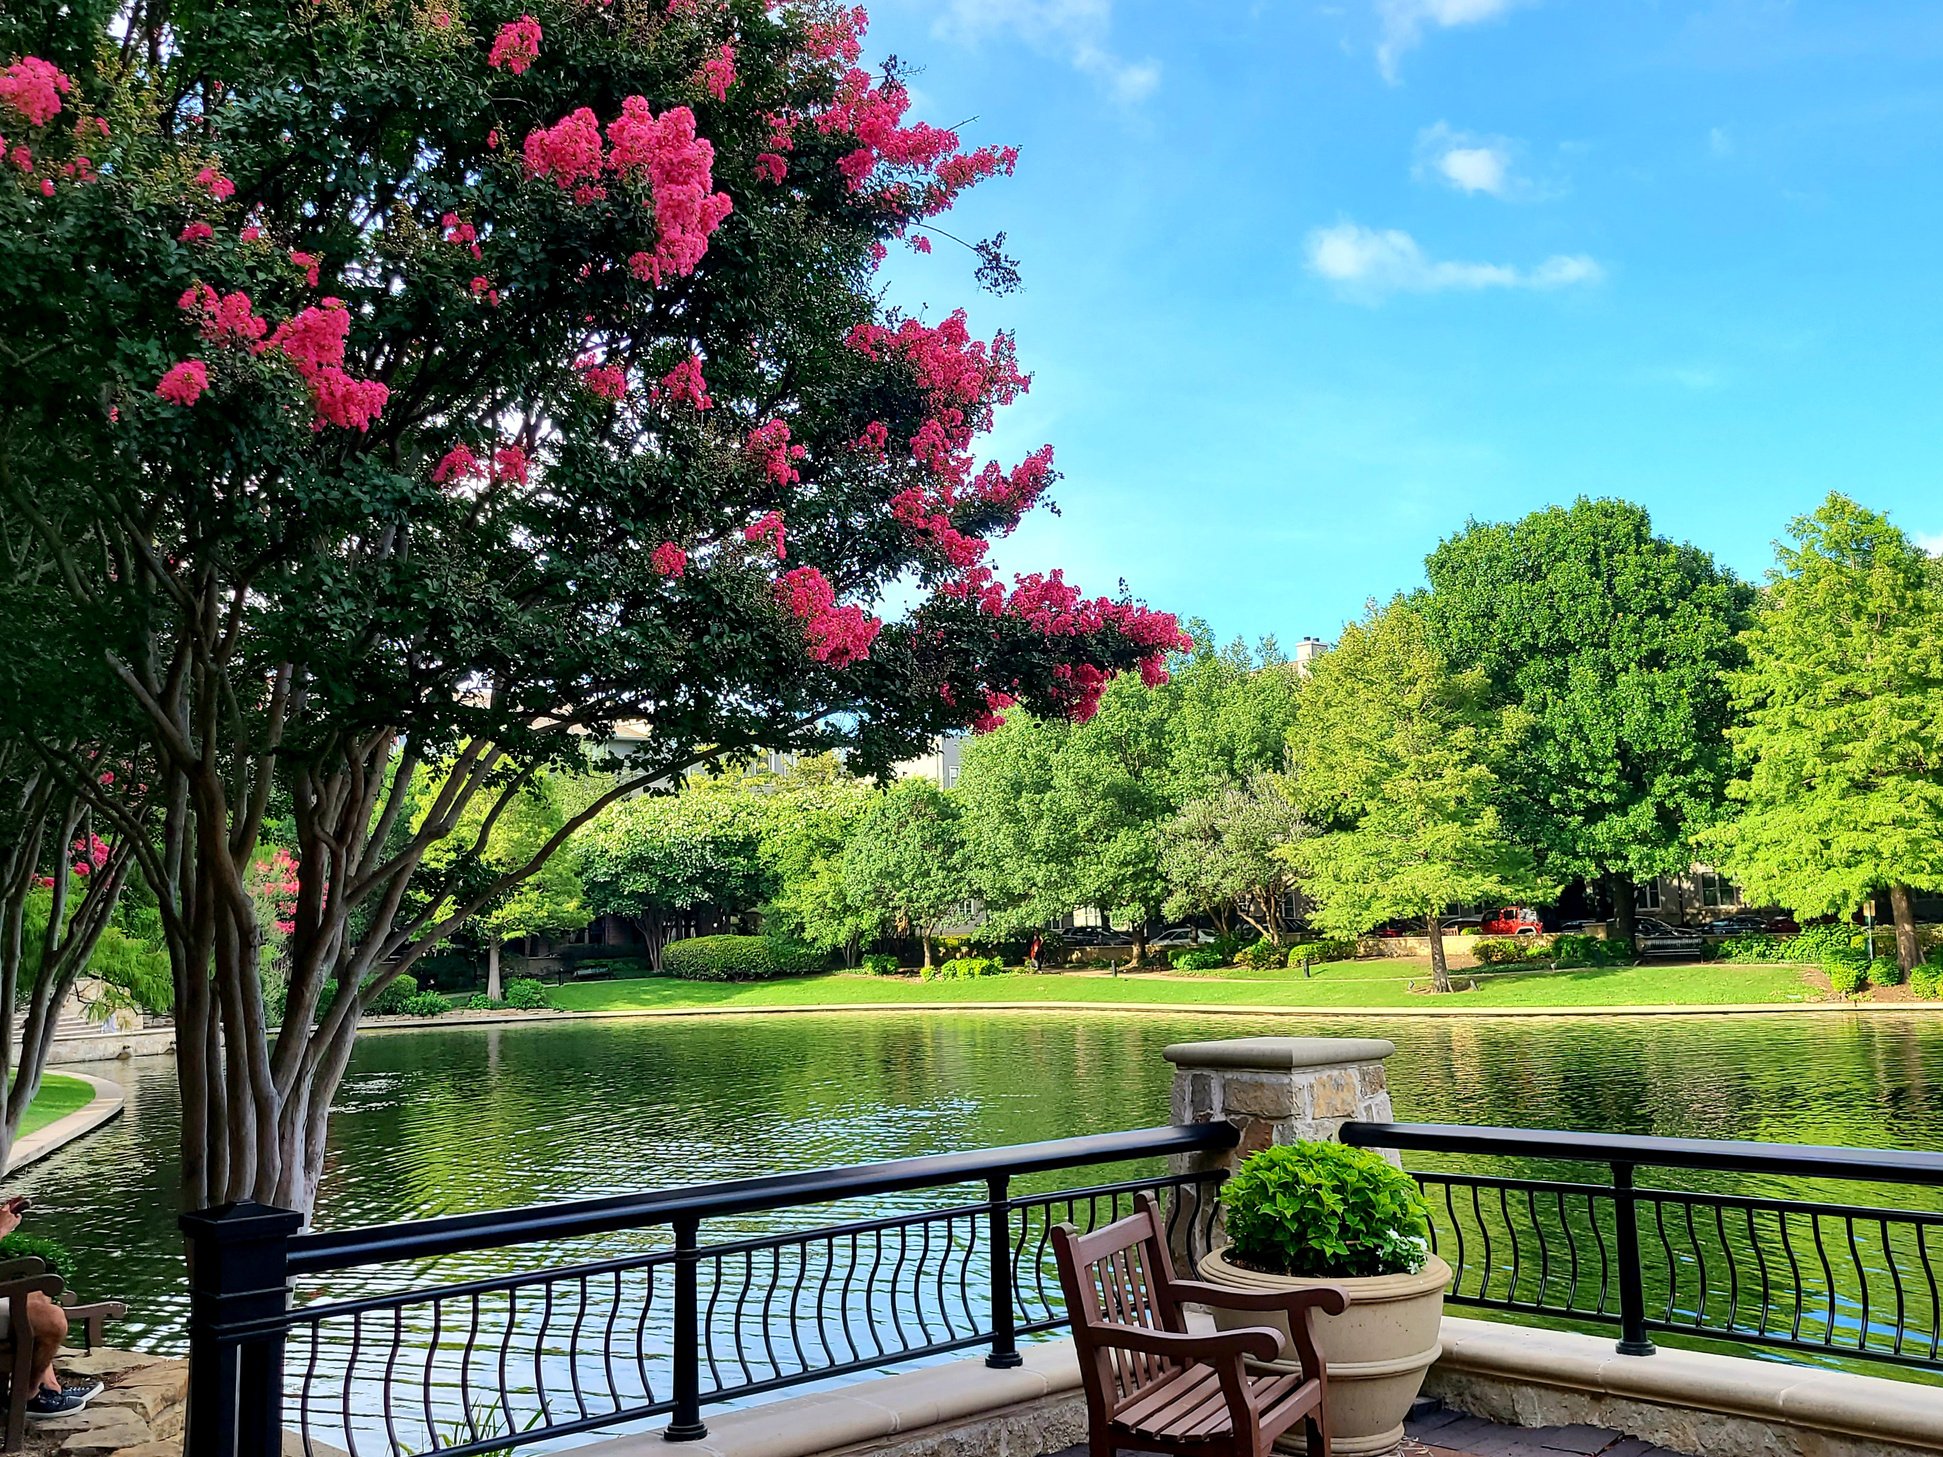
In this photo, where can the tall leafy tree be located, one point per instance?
(1611, 645)
(436, 385)
(903, 858)
(812, 814)
(1227, 854)
(1390, 755)
(658, 859)
(1842, 736)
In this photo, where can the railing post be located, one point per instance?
(998, 1221)
(1633, 1340)
(239, 1287)
(685, 1422)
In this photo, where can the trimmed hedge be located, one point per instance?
(735, 958)
(425, 1004)
(1317, 953)
(1847, 977)
(1199, 958)
(1926, 981)
(1571, 950)
(879, 963)
(1509, 950)
(1885, 971)
(1262, 956)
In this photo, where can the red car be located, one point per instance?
(1511, 921)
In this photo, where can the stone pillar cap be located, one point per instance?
(1279, 1054)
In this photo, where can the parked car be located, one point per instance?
(1654, 937)
(1511, 921)
(1592, 926)
(1175, 936)
(1737, 925)
(1782, 925)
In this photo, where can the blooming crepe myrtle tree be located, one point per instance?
(440, 383)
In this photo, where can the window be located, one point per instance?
(1717, 891)
(1646, 896)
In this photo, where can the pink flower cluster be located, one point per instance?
(836, 635)
(605, 380)
(718, 72)
(994, 715)
(455, 230)
(91, 854)
(184, 383)
(196, 232)
(769, 527)
(308, 262)
(684, 384)
(662, 151)
(769, 447)
(517, 45)
(669, 560)
(224, 318)
(217, 185)
(458, 464)
(771, 167)
(313, 340)
(33, 88)
(275, 877)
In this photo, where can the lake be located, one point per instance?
(436, 1122)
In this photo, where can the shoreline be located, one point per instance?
(1721, 1009)
(106, 1104)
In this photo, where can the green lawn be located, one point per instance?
(59, 1096)
(1349, 985)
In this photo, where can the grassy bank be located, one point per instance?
(1348, 985)
(59, 1096)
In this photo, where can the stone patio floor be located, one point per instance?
(1435, 1430)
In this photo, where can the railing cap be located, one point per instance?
(1279, 1054)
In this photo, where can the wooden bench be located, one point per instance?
(1153, 1387)
(20, 1278)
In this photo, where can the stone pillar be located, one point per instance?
(1277, 1089)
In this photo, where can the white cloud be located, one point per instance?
(1467, 162)
(1371, 263)
(1404, 23)
(1931, 542)
(1720, 143)
(1077, 30)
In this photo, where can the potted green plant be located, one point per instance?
(1316, 1213)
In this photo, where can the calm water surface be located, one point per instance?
(443, 1122)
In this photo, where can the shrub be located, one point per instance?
(1847, 976)
(1507, 950)
(1262, 956)
(480, 1002)
(879, 963)
(50, 1252)
(1818, 943)
(393, 998)
(962, 968)
(1199, 958)
(425, 1004)
(734, 958)
(1570, 951)
(1926, 981)
(524, 994)
(1885, 971)
(1228, 946)
(1325, 1209)
(1316, 953)
(1753, 948)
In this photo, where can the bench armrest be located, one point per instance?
(1260, 1342)
(1329, 1299)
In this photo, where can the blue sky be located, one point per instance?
(1310, 284)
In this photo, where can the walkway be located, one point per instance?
(1434, 1430)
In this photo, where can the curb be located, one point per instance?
(106, 1103)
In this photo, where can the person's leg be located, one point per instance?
(49, 1325)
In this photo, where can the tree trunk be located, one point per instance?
(1440, 977)
(1139, 957)
(925, 942)
(492, 972)
(1909, 950)
(1625, 907)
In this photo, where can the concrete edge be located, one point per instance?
(1870, 1408)
(879, 1412)
(106, 1104)
(502, 1019)
(1278, 1054)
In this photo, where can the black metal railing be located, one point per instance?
(1835, 1279)
(642, 1307)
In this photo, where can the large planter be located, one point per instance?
(1377, 1351)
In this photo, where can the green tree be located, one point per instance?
(1611, 645)
(658, 858)
(1228, 854)
(904, 859)
(397, 386)
(546, 903)
(1390, 758)
(1841, 740)
(812, 814)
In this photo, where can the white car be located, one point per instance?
(1180, 936)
